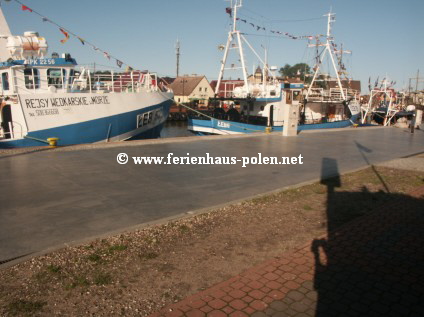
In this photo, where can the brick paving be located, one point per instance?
(373, 266)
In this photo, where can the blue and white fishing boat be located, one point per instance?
(260, 106)
(44, 97)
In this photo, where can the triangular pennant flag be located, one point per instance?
(24, 7)
(106, 55)
(66, 36)
(119, 63)
(81, 40)
(45, 19)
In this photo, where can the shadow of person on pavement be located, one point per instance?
(373, 266)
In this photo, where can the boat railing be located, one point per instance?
(86, 81)
(316, 94)
(13, 132)
(130, 82)
(332, 95)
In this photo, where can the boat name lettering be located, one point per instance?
(46, 112)
(46, 61)
(99, 100)
(223, 124)
(36, 103)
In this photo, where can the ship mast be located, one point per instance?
(233, 36)
(331, 18)
(177, 52)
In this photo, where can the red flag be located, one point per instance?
(24, 7)
(229, 11)
(66, 36)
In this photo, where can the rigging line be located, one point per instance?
(70, 32)
(275, 36)
(251, 18)
(298, 20)
(263, 17)
(283, 21)
(105, 66)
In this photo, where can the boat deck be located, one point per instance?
(55, 196)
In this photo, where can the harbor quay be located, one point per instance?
(56, 197)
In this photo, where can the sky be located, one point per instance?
(385, 37)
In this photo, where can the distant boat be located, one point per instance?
(48, 97)
(259, 105)
(385, 106)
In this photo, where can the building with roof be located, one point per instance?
(192, 89)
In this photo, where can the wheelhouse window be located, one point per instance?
(55, 77)
(5, 81)
(296, 95)
(32, 78)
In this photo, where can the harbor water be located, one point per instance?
(173, 129)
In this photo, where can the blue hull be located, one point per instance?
(238, 127)
(94, 130)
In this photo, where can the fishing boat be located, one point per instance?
(260, 106)
(49, 98)
(386, 106)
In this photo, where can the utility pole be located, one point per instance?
(177, 51)
(418, 77)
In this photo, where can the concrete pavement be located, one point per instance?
(49, 198)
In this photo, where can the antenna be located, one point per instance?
(177, 51)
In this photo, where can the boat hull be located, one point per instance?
(223, 127)
(91, 118)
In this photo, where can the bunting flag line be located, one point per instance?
(63, 41)
(293, 37)
(67, 33)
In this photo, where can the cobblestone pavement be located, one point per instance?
(372, 266)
